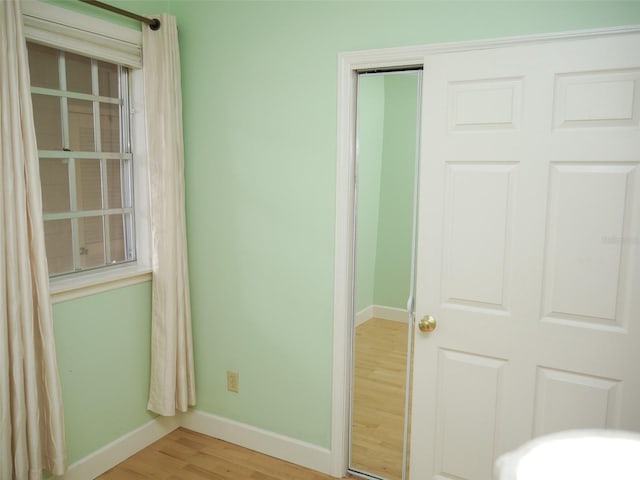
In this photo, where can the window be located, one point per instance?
(81, 112)
(89, 113)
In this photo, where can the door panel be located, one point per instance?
(587, 214)
(492, 104)
(597, 99)
(568, 400)
(528, 249)
(464, 427)
(474, 273)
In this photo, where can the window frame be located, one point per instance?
(63, 29)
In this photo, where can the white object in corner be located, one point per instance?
(574, 454)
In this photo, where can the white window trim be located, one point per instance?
(67, 30)
(63, 289)
(74, 32)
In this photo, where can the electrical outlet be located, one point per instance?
(233, 382)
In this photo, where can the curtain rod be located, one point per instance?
(154, 23)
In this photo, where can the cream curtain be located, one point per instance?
(172, 386)
(31, 417)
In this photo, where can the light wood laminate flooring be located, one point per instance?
(187, 455)
(377, 434)
(379, 397)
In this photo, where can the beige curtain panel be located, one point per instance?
(172, 386)
(31, 417)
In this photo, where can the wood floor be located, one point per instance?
(379, 397)
(377, 433)
(186, 455)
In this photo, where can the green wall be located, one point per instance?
(259, 90)
(103, 350)
(393, 262)
(371, 101)
(387, 125)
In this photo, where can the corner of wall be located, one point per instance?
(120, 449)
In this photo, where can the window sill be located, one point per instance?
(69, 288)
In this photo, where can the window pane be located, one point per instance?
(79, 184)
(54, 178)
(47, 120)
(91, 242)
(110, 127)
(43, 66)
(88, 184)
(108, 79)
(57, 238)
(114, 184)
(81, 126)
(116, 238)
(127, 182)
(130, 239)
(78, 73)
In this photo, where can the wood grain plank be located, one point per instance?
(377, 432)
(187, 455)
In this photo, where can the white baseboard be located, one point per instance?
(272, 444)
(380, 311)
(120, 449)
(364, 315)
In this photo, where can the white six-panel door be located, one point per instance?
(528, 250)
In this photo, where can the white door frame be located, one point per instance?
(349, 64)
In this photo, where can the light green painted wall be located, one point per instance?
(371, 101)
(259, 92)
(103, 350)
(387, 123)
(393, 260)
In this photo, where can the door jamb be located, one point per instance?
(349, 64)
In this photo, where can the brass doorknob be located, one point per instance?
(427, 324)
